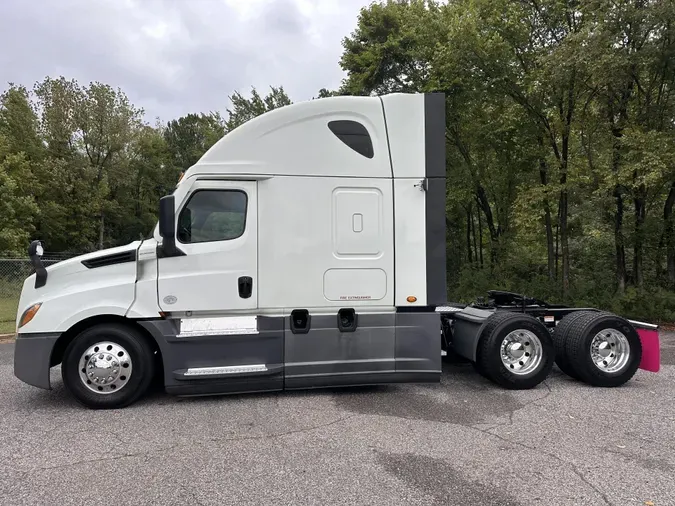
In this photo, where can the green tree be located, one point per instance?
(153, 175)
(19, 123)
(106, 122)
(392, 47)
(20, 153)
(244, 109)
(325, 93)
(57, 100)
(17, 207)
(189, 137)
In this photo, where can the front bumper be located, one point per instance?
(32, 358)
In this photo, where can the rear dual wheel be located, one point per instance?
(515, 351)
(598, 348)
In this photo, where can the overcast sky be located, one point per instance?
(172, 57)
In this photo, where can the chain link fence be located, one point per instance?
(13, 272)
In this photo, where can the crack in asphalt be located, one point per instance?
(571, 465)
(510, 422)
(190, 444)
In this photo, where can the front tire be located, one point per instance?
(108, 366)
(515, 351)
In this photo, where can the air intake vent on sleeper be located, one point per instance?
(112, 259)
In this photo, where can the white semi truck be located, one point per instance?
(306, 248)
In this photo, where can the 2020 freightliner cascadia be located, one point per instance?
(305, 249)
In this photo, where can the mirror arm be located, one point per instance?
(167, 228)
(169, 249)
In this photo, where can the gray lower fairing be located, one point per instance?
(384, 348)
(32, 358)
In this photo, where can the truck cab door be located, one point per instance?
(217, 229)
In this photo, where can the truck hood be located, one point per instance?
(84, 262)
(75, 287)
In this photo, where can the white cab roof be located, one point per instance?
(343, 136)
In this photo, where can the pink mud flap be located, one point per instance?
(651, 351)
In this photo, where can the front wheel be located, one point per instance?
(515, 351)
(108, 366)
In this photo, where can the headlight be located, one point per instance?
(29, 314)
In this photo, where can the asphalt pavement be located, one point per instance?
(464, 441)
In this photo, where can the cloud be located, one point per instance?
(172, 57)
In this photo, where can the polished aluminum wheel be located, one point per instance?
(610, 350)
(521, 352)
(105, 367)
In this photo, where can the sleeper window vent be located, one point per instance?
(354, 135)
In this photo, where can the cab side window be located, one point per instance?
(213, 215)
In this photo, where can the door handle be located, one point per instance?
(245, 286)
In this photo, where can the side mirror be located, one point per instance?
(167, 217)
(167, 227)
(35, 252)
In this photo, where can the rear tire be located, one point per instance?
(560, 337)
(603, 349)
(108, 366)
(515, 351)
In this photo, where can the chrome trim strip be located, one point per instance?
(643, 324)
(449, 309)
(230, 369)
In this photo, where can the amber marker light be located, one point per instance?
(411, 298)
(29, 314)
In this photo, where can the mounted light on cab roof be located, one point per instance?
(180, 177)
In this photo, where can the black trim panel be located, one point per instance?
(363, 379)
(435, 167)
(434, 134)
(415, 309)
(227, 386)
(111, 259)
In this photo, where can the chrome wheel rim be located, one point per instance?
(610, 350)
(521, 352)
(105, 368)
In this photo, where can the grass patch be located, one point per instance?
(8, 307)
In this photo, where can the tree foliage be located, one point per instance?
(190, 136)
(244, 109)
